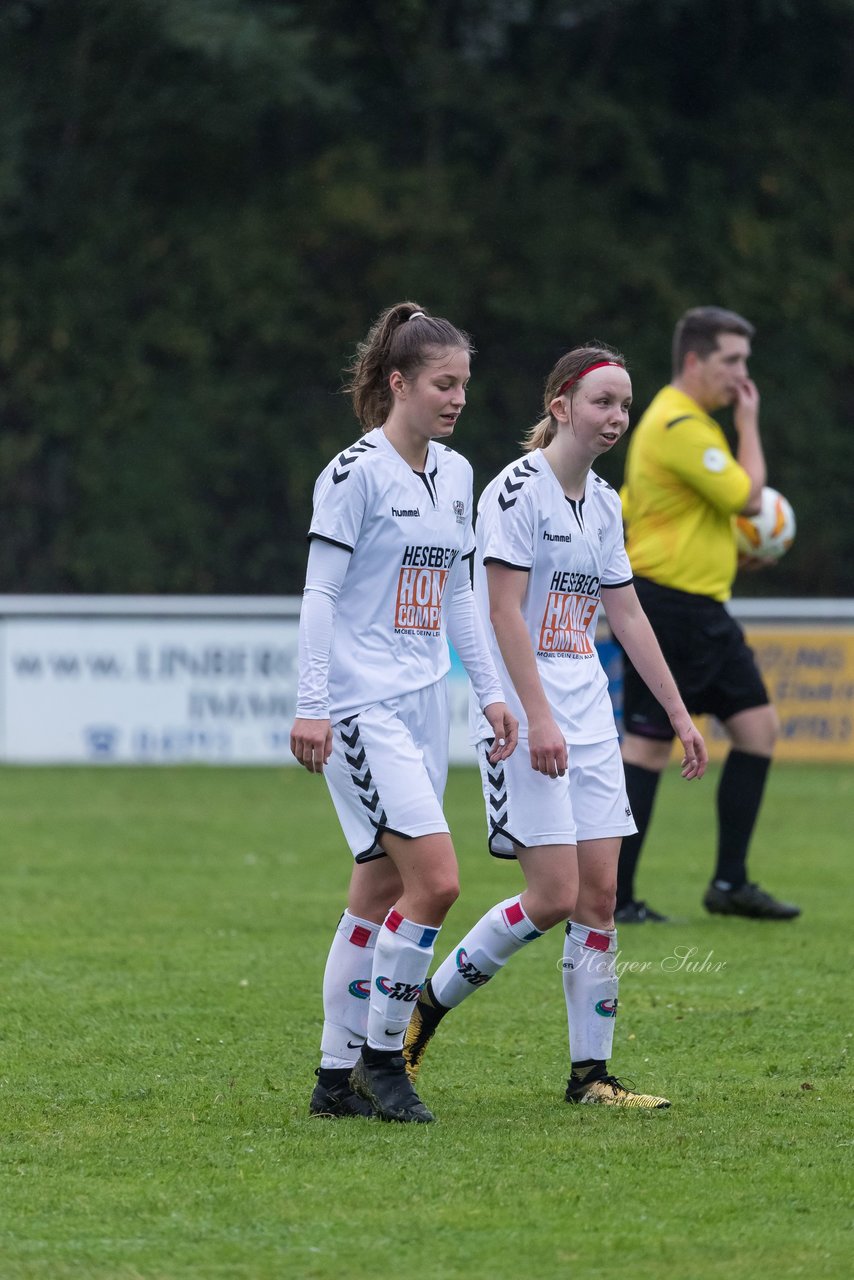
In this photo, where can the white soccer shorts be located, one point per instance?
(527, 809)
(388, 769)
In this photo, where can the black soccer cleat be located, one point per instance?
(638, 913)
(333, 1097)
(749, 901)
(383, 1083)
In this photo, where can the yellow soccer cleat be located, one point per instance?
(419, 1033)
(608, 1092)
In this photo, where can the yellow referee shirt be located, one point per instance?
(682, 488)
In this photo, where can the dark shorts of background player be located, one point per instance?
(705, 649)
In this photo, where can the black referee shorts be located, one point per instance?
(705, 649)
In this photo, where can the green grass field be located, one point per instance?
(164, 934)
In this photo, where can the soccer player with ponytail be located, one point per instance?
(387, 583)
(549, 551)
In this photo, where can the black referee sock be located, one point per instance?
(740, 790)
(641, 786)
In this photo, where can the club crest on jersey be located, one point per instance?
(459, 510)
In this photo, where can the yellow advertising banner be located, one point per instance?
(809, 672)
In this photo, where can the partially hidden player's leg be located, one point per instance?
(752, 734)
(644, 760)
(590, 982)
(427, 868)
(551, 877)
(374, 888)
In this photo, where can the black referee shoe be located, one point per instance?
(749, 901)
(638, 913)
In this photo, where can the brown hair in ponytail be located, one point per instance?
(405, 338)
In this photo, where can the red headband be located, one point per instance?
(570, 382)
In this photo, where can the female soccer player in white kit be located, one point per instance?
(387, 582)
(550, 549)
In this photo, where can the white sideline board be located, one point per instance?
(198, 679)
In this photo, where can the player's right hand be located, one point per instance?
(505, 730)
(548, 748)
(311, 743)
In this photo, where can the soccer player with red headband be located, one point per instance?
(549, 551)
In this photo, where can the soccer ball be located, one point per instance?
(769, 534)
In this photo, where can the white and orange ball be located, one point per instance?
(768, 535)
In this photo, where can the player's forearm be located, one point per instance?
(327, 568)
(315, 645)
(517, 651)
(466, 633)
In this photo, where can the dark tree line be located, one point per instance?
(203, 203)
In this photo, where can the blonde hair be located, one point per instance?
(404, 338)
(568, 367)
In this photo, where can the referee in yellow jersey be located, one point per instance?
(682, 489)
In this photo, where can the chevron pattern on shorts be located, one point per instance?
(497, 793)
(354, 754)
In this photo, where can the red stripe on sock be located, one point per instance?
(393, 921)
(360, 937)
(598, 941)
(514, 913)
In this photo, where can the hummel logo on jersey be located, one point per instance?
(556, 537)
(347, 458)
(510, 490)
(405, 511)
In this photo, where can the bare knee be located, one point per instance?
(754, 731)
(443, 893)
(596, 903)
(647, 753)
(545, 912)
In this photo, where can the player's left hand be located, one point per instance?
(696, 755)
(505, 729)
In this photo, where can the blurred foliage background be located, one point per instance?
(204, 203)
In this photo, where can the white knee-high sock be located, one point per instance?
(485, 949)
(402, 957)
(590, 984)
(347, 991)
